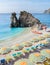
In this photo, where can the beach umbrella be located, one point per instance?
(47, 35)
(2, 60)
(17, 47)
(9, 58)
(45, 52)
(41, 38)
(35, 40)
(17, 54)
(48, 39)
(33, 47)
(44, 42)
(23, 62)
(36, 57)
(26, 49)
(26, 44)
(46, 63)
(39, 46)
(4, 50)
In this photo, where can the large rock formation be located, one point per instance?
(25, 20)
(47, 11)
(14, 21)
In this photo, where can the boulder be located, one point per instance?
(14, 21)
(27, 20)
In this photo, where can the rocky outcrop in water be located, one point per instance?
(47, 11)
(25, 20)
(14, 21)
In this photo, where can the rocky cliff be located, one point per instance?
(47, 11)
(25, 20)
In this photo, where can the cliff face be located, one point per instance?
(25, 20)
(47, 11)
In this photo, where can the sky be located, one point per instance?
(34, 6)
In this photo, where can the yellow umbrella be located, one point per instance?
(41, 38)
(26, 50)
(35, 40)
(26, 44)
(9, 58)
(44, 42)
(46, 53)
(4, 50)
(36, 57)
(47, 35)
(17, 47)
(23, 62)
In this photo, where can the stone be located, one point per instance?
(14, 21)
(27, 20)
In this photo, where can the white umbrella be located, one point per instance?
(46, 52)
(36, 57)
(23, 62)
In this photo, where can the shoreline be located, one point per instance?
(17, 38)
(24, 36)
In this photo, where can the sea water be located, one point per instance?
(7, 32)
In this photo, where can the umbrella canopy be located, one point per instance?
(9, 57)
(36, 57)
(46, 52)
(48, 39)
(17, 47)
(47, 35)
(26, 50)
(2, 60)
(44, 42)
(17, 54)
(35, 40)
(41, 38)
(23, 62)
(33, 47)
(4, 50)
(26, 44)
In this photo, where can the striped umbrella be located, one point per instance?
(33, 47)
(48, 39)
(35, 40)
(41, 38)
(26, 49)
(4, 50)
(36, 57)
(23, 62)
(17, 47)
(9, 58)
(26, 44)
(45, 52)
(44, 42)
(47, 35)
(17, 54)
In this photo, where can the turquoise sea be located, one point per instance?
(7, 32)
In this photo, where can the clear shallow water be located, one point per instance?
(44, 18)
(7, 32)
